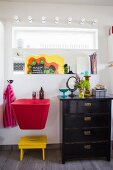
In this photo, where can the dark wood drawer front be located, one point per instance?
(84, 106)
(70, 106)
(86, 149)
(86, 120)
(93, 106)
(76, 135)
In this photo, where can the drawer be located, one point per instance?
(86, 120)
(100, 106)
(94, 134)
(86, 149)
(84, 106)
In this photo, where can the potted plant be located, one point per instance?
(80, 84)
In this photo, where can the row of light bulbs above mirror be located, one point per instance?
(58, 20)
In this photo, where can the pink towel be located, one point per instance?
(9, 119)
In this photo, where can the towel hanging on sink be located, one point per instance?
(9, 119)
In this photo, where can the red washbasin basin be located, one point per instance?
(31, 113)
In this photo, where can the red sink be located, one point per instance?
(31, 113)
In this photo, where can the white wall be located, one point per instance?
(24, 84)
(1, 70)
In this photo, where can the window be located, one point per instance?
(54, 38)
(80, 43)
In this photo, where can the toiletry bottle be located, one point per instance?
(33, 95)
(41, 93)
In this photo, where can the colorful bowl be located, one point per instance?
(63, 91)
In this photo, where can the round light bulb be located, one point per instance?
(43, 19)
(16, 18)
(56, 20)
(69, 20)
(30, 19)
(82, 21)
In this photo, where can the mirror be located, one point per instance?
(70, 85)
(75, 61)
(79, 62)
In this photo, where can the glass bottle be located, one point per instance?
(41, 93)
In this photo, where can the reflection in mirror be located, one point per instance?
(78, 63)
(93, 63)
(82, 64)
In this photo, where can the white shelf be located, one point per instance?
(29, 49)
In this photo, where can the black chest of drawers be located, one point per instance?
(85, 127)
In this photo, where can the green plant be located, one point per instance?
(66, 68)
(80, 83)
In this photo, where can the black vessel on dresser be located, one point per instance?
(85, 127)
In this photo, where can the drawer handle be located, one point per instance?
(87, 132)
(87, 104)
(87, 119)
(87, 147)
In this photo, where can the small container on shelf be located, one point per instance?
(33, 95)
(99, 92)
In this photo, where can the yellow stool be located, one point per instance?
(32, 142)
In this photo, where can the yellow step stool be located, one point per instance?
(32, 142)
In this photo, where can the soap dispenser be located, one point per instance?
(41, 93)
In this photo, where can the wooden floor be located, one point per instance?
(9, 160)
